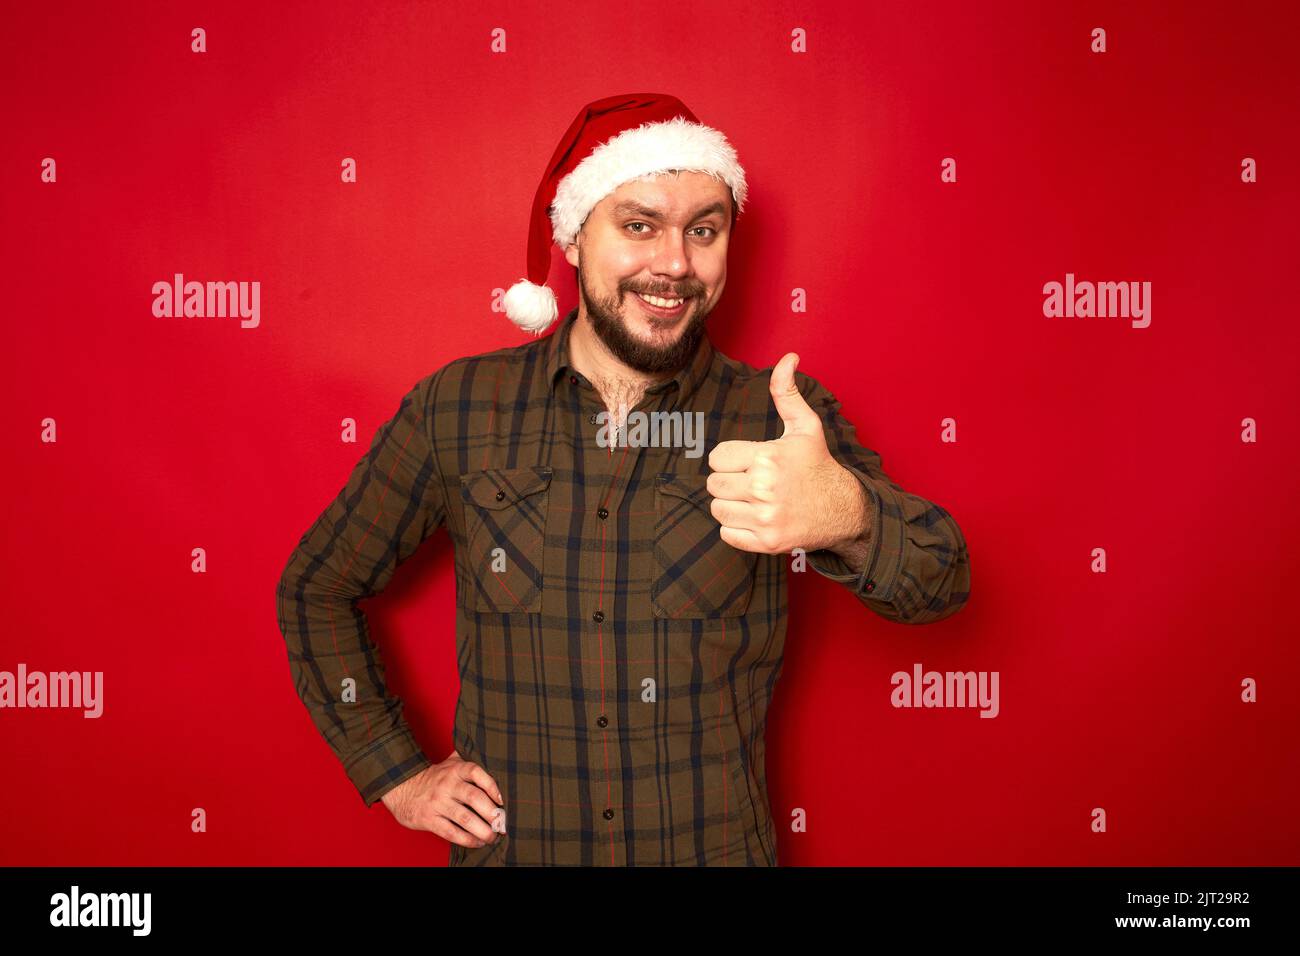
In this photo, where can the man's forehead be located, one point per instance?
(666, 196)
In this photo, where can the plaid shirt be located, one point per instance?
(616, 656)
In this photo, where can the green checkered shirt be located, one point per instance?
(616, 656)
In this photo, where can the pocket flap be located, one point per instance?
(499, 488)
(692, 488)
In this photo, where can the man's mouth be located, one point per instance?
(661, 306)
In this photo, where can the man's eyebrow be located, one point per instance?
(630, 207)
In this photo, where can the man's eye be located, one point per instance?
(710, 229)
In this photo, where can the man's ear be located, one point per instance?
(571, 254)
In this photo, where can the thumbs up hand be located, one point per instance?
(773, 496)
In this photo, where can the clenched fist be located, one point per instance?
(452, 800)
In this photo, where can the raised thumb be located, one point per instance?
(790, 404)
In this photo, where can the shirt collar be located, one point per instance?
(687, 380)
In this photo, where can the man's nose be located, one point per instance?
(670, 256)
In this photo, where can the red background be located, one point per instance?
(1118, 690)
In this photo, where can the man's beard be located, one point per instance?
(645, 357)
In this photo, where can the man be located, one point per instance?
(621, 603)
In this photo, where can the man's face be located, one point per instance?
(665, 237)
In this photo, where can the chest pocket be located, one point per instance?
(505, 533)
(697, 574)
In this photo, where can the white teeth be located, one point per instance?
(662, 303)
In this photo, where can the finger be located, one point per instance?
(477, 775)
(476, 799)
(742, 540)
(732, 455)
(730, 485)
(450, 832)
(736, 515)
(466, 819)
(797, 414)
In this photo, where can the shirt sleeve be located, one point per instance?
(917, 570)
(392, 501)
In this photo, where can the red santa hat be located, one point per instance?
(612, 141)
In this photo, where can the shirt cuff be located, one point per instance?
(877, 577)
(380, 767)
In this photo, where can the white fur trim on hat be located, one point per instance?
(641, 151)
(531, 307)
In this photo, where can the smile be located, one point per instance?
(666, 308)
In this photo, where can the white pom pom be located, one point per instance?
(531, 307)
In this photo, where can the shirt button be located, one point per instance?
(573, 380)
(500, 494)
(871, 586)
(602, 721)
(603, 512)
(598, 616)
(595, 418)
(608, 814)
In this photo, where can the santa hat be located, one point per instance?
(612, 141)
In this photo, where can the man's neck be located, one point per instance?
(621, 387)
